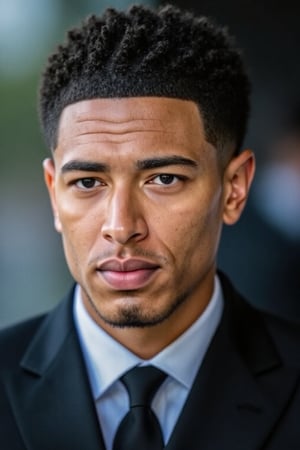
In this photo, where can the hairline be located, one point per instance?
(225, 152)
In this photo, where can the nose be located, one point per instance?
(124, 219)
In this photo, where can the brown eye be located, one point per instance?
(166, 179)
(87, 183)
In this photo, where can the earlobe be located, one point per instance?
(49, 177)
(238, 177)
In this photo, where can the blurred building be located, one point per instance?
(262, 252)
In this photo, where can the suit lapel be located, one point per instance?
(238, 395)
(241, 388)
(50, 394)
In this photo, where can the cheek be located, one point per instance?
(77, 218)
(194, 231)
(79, 233)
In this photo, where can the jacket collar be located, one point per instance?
(50, 395)
(241, 388)
(239, 393)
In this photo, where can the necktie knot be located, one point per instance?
(142, 383)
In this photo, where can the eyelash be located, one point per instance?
(175, 178)
(96, 183)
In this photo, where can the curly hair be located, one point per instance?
(143, 52)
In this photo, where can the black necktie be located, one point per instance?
(140, 428)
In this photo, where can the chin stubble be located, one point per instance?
(132, 316)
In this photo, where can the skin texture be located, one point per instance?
(139, 198)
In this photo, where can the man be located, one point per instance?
(145, 114)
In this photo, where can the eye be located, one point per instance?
(87, 183)
(165, 179)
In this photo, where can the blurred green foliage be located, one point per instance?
(21, 141)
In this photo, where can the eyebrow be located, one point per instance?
(154, 163)
(144, 164)
(84, 166)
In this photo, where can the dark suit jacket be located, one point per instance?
(245, 397)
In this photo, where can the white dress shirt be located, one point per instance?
(107, 360)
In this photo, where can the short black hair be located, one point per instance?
(146, 52)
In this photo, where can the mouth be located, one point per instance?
(130, 274)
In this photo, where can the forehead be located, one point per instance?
(128, 129)
(154, 114)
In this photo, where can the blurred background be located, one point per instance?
(261, 253)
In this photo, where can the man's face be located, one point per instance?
(139, 199)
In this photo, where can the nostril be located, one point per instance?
(123, 235)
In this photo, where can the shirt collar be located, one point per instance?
(107, 360)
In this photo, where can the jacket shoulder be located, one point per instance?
(286, 336)
(14, 340)
(260, 330)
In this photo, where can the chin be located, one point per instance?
(132, 317)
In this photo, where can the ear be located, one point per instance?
(238, 177)
(49, 177)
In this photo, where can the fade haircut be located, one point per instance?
(158, 53)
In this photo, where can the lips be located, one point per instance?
(127, 275)
(128, 265)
